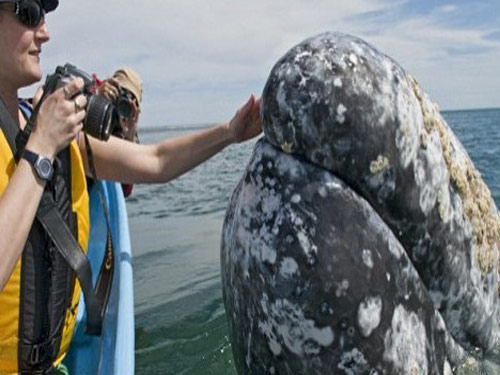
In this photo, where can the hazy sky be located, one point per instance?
(201, 59)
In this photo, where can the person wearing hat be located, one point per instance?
(127, 81)
(38, 291)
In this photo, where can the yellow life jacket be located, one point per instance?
(10, 296)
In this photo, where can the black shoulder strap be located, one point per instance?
(50, 218)
(9, 128)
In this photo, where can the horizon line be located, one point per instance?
(195, 126)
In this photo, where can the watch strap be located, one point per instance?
(30, 156)
(41, 164)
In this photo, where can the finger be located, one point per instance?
(80, 103)
(249, 102)
(78, 118)
(109, 91)
(72, 88)
(112, 85)
(113, 82)
(105, 92)
(113, 92)
(134, 110)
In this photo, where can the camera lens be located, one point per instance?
(123, 107)
(98, 122)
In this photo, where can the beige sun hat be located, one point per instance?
(129, 80)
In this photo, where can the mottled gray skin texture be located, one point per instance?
(353, 255)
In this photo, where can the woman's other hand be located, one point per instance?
(109, 89)
(129, 124)
(246, 122)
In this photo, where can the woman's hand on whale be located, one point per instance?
(246, 124)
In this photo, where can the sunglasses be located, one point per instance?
(29, 12)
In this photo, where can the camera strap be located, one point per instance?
(23, 136)
(58, 231)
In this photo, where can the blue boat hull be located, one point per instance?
(113, 352)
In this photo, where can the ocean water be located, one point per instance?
(175, 231)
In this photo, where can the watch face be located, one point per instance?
(44, 168)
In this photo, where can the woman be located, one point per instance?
(35, 326)
(130, 83)
(126, 80)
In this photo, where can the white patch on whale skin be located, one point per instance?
(487, 297)
(382, 94)
(261, 250)
(447, 368)
(395, 248)
(358, 48)
(342, 288)
(303, 81)
(353, 59)
(353, 362)
(432, 178)
(270, 181)
(341, 110)
(444, 204)
(337, 82)
(419, 173)
(295, 219)
(405, 343)
(286, 325)
(267, 330)
(256, 242)
(367, 257)
(332, 185)
(306, 243)
(369, 312)
(411, 122)
(271, 203)
(288, 267)
(436, 162)
(301, 55)
(427, 199)
(295, 198)
(242, 232)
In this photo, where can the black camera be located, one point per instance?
(123, 103)
(99, 120)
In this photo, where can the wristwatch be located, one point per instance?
(42, 164)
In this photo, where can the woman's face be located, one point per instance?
(20, 48)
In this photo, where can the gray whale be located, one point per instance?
(361, 239)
